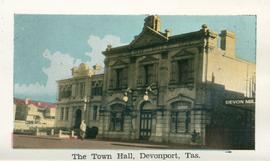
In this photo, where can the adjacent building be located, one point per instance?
(30, 114)
(159, 88)
(79, 97)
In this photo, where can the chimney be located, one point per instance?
(27, 101)
(227, 42)
(168, 32)
(153, 22)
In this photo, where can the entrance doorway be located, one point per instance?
(146, 113)
(145, 124)
(78, 118)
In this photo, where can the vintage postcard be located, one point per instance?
(134, 86)
(148, 81)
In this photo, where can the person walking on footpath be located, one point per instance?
(82, 129)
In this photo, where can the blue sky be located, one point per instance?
(46, 47)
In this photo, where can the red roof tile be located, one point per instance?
(40, 104)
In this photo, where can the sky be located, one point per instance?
(46, 47)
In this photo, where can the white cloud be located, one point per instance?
(59, 68)
(98, 45)
(61, 64)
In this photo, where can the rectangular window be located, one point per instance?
(68, 91)
(93, 89)
(66, 113)
(95, 112)
(185, 71)
(62, 114)
(77, 90)
(187, 122)
(20, 113)
(174, 117)
(99, 90)
(96, 89)
(180, 122)
(116, 121)
(82, 87)
(149, 72)
(119, 78)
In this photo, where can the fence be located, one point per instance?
(54, 132)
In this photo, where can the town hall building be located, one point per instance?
(159, 88)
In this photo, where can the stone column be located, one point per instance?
(154, 124)
(72, 118)
(162, 81)
(137, 124)
(157, 130)
(106, 124)
(134, 128)
(166, 126)
(101, 125)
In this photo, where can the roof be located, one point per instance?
(185, 37)
(151, 36)
(19, 101)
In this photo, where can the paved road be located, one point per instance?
(36, 142)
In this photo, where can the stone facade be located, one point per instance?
(159, 87)
(171, 82)
(79, 98)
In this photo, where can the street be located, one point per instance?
(45, 142)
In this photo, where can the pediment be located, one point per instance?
(181, 97)
(116, 101)
(148, 59)
(119, 63)
(183, 52)
(148, 37)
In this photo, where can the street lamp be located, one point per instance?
(146, 97)
(128, 91)
(150, 90)
(125, 98)
(129, 108)
(156, 94)
(86, 101)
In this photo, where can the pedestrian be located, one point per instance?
(82, 129)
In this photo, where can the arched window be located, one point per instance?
(180, 117)
(117, 117)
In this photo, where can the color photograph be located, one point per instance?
(134, 82)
